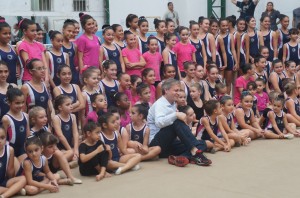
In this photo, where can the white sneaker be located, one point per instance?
(77, 181)
(288, 136)
(118, 171)
(22, 192)
(136, 167)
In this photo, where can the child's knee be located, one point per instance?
(232, 142)
(31, 190)
(292, 125)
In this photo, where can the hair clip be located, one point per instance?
(2, 20)
(115, 94)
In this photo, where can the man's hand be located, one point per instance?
(181, 116)
(234, 1)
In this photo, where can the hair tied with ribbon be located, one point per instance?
(20, 23)
(82, 16)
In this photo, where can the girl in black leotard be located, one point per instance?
(195, 101)
(212, 77)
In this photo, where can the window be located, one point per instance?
(79, 5)
(41, 5)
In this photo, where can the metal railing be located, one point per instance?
(79, 5)
(41, 5)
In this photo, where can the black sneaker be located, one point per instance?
(200, 159)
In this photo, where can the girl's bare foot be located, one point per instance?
(107, 175)
(99, 177)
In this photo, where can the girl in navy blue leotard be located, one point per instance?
(35, 91)
(109, 83)
(160, 27)
(277, 76)
(244, 116)
(269, 38)
(112, 138)
(283, 34)
(230, 54)
(66, 88)
(254, 37)
(139, 132)
(36, 170)
(110, 51)
(142, 38)
(65, 127)
(212, 76)
(119, 36)
(15, 122)
(291, 50)
(8, 54)
(4, 73)
(70, 48)
(201, 57)
(7, 175)
(169, 56)
(210, 130)
(56, 57)
(264, 51)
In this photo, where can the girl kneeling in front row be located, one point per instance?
(211, 130)
(111, 137)
(241, 137)
(278, 127)
(244, 116)
(139, 132)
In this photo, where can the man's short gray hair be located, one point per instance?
(167, 84)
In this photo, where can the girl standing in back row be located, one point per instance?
(70, 48)
(7, 52)
(255, 38)
(110, 51)
(197, 43)
(56, 57)
(87, 44)
(29, 49)
(208, 39)
(142, 38)
(230, 53)
(269, 37)
(184, 50)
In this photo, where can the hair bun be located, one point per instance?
(105, 26)
(145, 104)
(81, 14)
(142, 18)
(2, 19)
(192, 22)
(68, 21)
(155, 21)
(281, 96)
(50, 32)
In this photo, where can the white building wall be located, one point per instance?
(61, 10)
(187, 9)
(119, 9)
